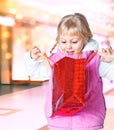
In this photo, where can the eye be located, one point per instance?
(74, 42)
(63, 41)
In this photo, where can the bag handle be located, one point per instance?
(91, 57)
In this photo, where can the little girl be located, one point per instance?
(74, 43)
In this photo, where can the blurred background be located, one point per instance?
(25, 23)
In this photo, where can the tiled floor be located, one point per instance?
(23, 109)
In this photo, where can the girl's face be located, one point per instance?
(71, 44)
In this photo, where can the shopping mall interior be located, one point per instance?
(24, 24)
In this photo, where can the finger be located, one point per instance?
(36, 49)
(102, 53)
(111, 50)
(103, 50)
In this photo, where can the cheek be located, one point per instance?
(62, 46)
(77, 47)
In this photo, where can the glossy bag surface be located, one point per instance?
(69, 77)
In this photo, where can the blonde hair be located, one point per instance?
(74, 24)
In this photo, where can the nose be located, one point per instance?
(69, 46)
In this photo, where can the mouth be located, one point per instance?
(70, 52)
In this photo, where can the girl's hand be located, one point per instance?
(35, 52)
(107, 55)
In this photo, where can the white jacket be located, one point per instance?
(40, 69)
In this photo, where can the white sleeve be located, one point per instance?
(106, 70)
(37, 69)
